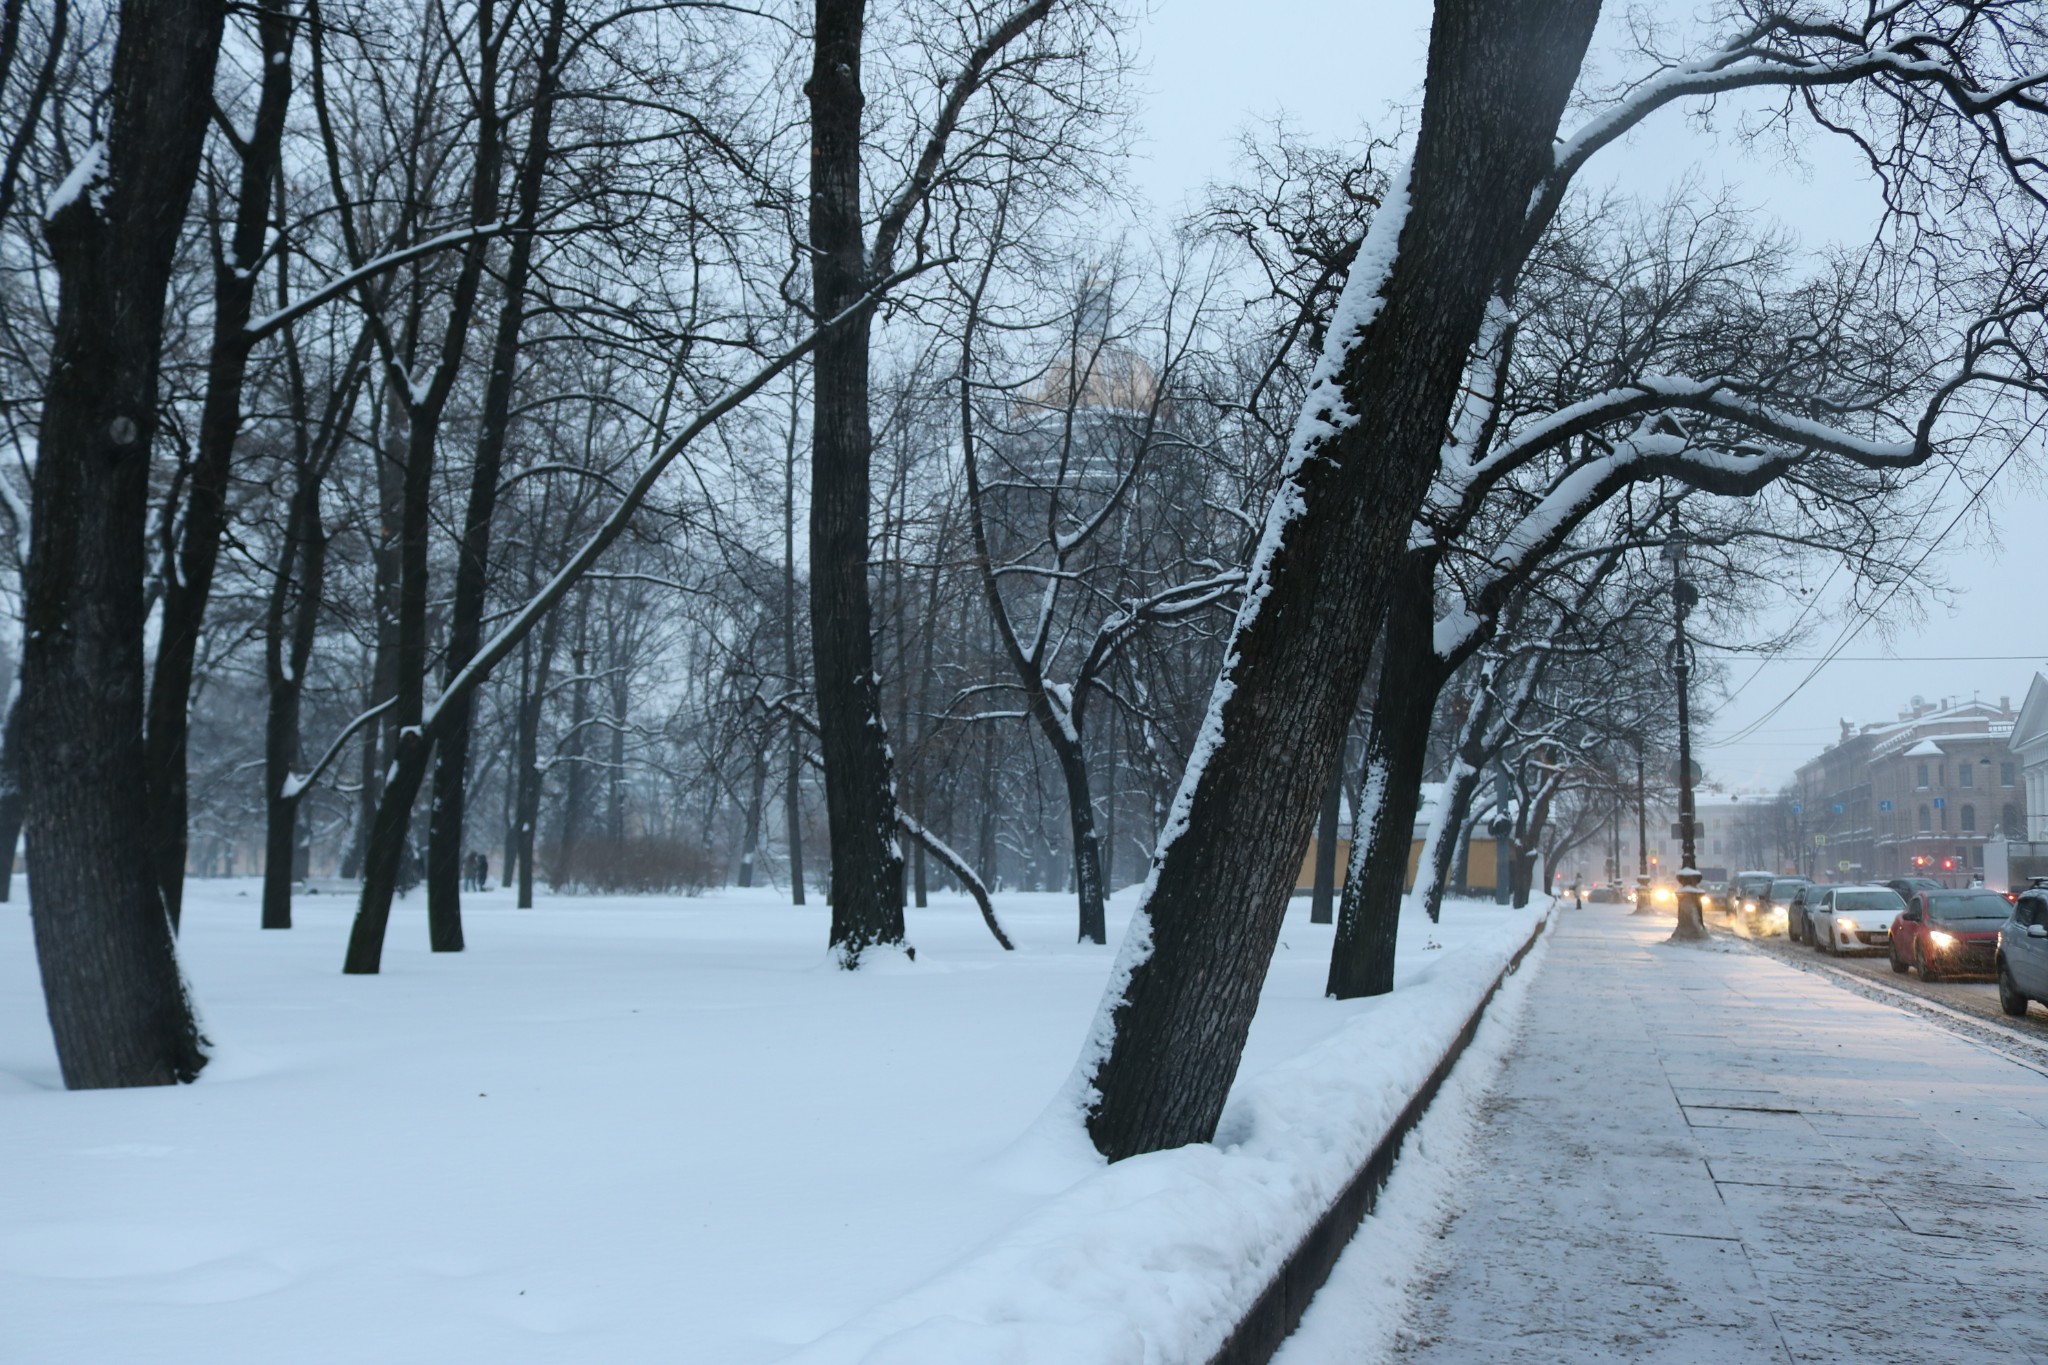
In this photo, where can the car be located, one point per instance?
(1783, 898)
(1851, 919)
(1714, 896)
(1909, 887)
(1944, 932)
(2023, 951)
(1752, 892)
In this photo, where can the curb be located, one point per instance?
(1277, 1311)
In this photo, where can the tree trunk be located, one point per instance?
(756, 791)
(117, 1003)
(447, 822)
(792, 791)
(1087, 864)
(12, 800)
(1396, 755)
(1447, 842)
(860, 802)
(287, 669)
(1324, 890)
(1499, 73)
(192, 557)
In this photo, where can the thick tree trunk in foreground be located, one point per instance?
(116, 1001)
(1396, 756)
(1498, 76)
(860, 801)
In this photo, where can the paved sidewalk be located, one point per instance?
(1704, 1155)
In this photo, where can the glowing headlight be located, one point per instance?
(1663, 895)
(1941, 940)
(1847, 926)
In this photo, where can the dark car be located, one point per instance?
(2023, 952)
(1752, 892)
(1787, 896)
(1909, 887)
(1949, 932)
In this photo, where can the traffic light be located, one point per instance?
(1948, 864)
(1920, 860)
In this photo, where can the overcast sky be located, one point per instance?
(1335, 68)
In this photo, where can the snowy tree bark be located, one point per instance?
(117, 1004)
(1176, 1017)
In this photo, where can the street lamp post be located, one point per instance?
(1642, 835)
(1691, 924)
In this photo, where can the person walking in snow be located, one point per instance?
(1578, 895)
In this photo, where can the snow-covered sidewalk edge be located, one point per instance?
(1265, 1327)
(1360, 1310)
(1167, 1257)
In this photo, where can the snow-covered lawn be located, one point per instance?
(641, 1129)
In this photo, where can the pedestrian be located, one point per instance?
(1578, 893)
(483, 871)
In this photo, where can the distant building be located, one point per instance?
(1925, 795)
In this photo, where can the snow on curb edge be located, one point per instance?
(1362, 1310)
(1266, 1325)
(1207, 1252)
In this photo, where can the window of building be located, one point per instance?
(1977, 856)
(1969, 818)
(1920, 780)
(1941, 774)
(2005, 774)
(2009, 820)
(1966, 774)
(1926, 820)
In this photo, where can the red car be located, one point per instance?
(1944, 932)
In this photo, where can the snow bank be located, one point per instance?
(649, 1129)
(1155, 1259)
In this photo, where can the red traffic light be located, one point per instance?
(1948, 864)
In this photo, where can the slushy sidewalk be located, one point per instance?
(1702, 1155)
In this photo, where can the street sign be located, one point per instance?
(1678, 773)
(1838, 808)
(1884, 805)
(1798, 809)
(1844, 865)
(1941, 803)
(1820, 841)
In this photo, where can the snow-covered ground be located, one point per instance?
(636, 1129)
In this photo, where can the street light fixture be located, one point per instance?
(1684, 596)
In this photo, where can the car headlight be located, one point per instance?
(1941, 940)
(1847, 926)
(1663, 895)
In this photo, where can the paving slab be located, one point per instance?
(1700, 1155)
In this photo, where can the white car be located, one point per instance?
(1853, 919)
